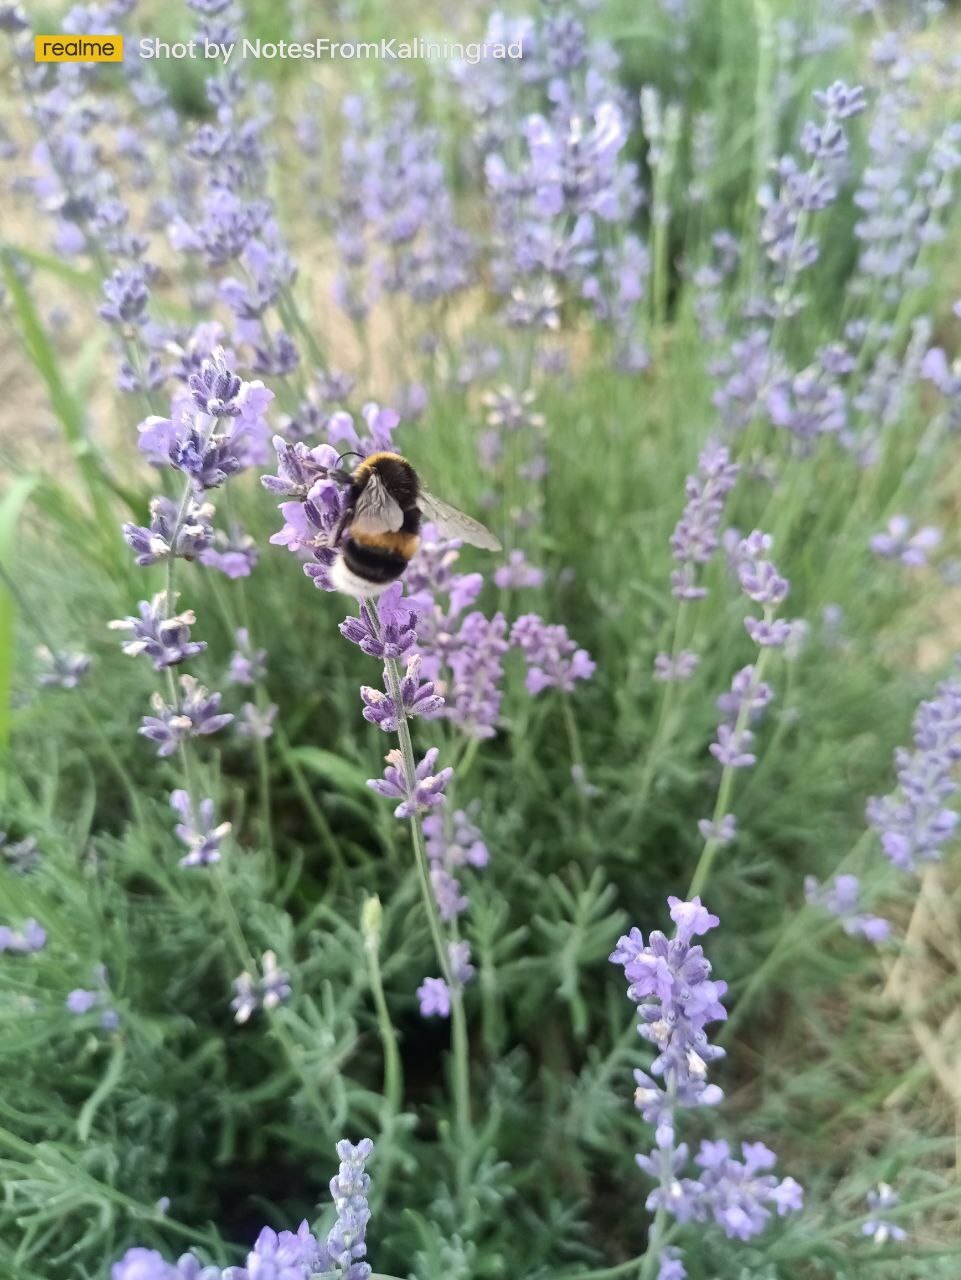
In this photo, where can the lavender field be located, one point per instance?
(536, 859)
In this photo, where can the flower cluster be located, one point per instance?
(82, 1001)
(20, 856)
(669, 980)
(265, 992)
(902, 542)
(29, 937)
(61, 670)
(878, 1227)
(913, 822)
(842, 898)
(761, 583)
(553, 659)
(697, 534)
(285, 1255)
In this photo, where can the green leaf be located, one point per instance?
(332, 768)
(11, 505)
(42, 353)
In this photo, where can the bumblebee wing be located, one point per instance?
(454, 524)
(375, 511)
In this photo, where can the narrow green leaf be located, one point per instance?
(42, 353)
(11, 505)
(333, 768)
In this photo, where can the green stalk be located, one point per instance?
(460, 1049)
(703, 869)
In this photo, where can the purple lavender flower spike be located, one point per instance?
(743, 687)
(346, 1243)
(264, 992)
(61, 670)
(841, 897)
(722, 832)
(418, 697)
(739, 1194)
(668, 669)
(299, 468)
(732, 748)
(670, 1266)
(902, 543)
(553, 659)
(913, 822)
(80, 1001)
(676, 997)
(425, 791)
(28, 938)
(760, 581)
(434, 997)
(878, 1228)
(163, 637)
(396, 635)
(695, 539)
(247, 664)
(517, 574)
(235, 553)
(196, 714)
(20, 856)
(153, 543)
(197, 830)
(257, 722)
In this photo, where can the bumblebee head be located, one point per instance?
(338, 474)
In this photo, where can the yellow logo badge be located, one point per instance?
(71, 48)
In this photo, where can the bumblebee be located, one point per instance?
(379, 531)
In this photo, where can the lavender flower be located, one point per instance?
(156, 541)
(234, 554)
(257, 722)
(517, 574)
(434, 997)
(733, 747)
(913, 822)
(163, 637)
(878, 1228)
(299, 468)
(80, 1001)
(196, 714)
(841, 897)
(670, 982)
(284, 1255)
(695, 539)
(395, 636)
(898, 542)
(475, 659)
(62, 670)
(761, 582)
(676, 997)
(553, 659)
(346, 1244)
(197, 830)
(20, 856)
(29, 937)
(418, 794)
(721, 832)
(747, 694)
(739, 1194)
(418, 697)
(453, 842)
(264, 992)
(247, 664)
(668, 669)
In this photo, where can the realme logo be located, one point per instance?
(68, 48)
